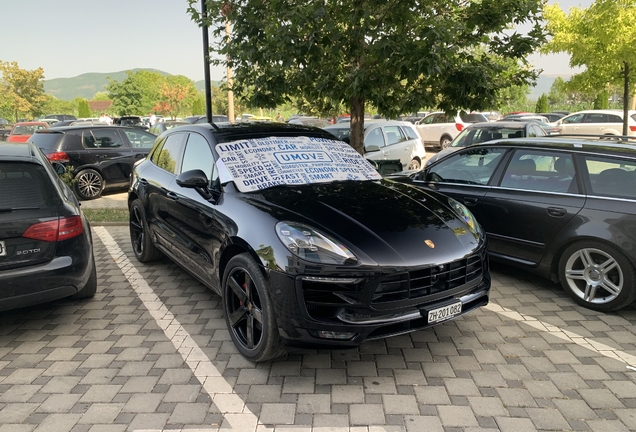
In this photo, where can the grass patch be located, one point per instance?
(106, 215)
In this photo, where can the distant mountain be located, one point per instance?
(86, 85)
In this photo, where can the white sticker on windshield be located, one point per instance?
(261, 163)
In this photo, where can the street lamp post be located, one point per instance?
(206, 62)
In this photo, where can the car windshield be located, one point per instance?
(256, 164)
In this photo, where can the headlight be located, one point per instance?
(465, 215)
(312, 245)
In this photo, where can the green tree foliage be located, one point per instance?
(542, 104)
(83, 110)
(137, 94)
(198, 105)
(602, 100)
(21, 90)
(513, 99)
(600, 38)
(397, 55)
(53, 105)
(101, 96)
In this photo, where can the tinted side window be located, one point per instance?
(611, 118)
(410, 132)
(540, 170)
(140, 139)
(198, 155)
(612, 177)
(441, 118)
(393, 135)
(595, 118)
(103, 138)
(575, 118)
(374, 137)
(169, 154)
(474, 166)
(154, 156)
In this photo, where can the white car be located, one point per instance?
(387, 140)
(597, 122)
(438, 129)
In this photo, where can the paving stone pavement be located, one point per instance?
(151, 353)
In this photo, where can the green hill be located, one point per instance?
(86, 85)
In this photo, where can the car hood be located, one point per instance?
(382, 222)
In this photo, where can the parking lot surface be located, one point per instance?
(151, 353)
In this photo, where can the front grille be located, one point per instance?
(429, 281)
(380, 295)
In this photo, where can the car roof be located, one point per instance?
(368, 123)
(19, 152)
(227, 132)
(579, 144)
(61, 129)
(500, 124)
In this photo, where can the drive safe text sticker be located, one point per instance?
(261, 163)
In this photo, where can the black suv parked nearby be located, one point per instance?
(301, 237)
(46, 250)
(562, 207)
(101, 156)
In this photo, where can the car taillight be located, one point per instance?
(632, 128)
(55, 230)
(459, 126)
(58, 157)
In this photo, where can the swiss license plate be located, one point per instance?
(444, 313)
(3, 249)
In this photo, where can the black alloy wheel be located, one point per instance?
(89, 184)
(249, 314)
(142, 245)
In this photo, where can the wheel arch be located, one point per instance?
(237, 247)
(556, 257)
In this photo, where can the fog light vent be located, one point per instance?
(335, 335)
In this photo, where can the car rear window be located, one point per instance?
(25, 185)
(473, 118)
(46, 141)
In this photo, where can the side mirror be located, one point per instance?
(59, 168)
(371, 149)
(194, 179)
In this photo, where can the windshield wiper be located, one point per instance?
(12, 209)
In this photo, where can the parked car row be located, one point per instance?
(306, 243)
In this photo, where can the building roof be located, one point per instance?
(99, 105)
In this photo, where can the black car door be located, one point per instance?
(156, 180)
(106, 149)
(536, 197)
(465, 176)
(193, 213)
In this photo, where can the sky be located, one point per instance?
(68, 38)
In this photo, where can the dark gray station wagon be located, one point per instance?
(564, 208)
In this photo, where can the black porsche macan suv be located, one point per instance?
(302, 238)
(101, 156)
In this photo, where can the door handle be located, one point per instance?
(470, 201)
(172, 196)
(557, 211)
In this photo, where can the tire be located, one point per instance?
(444, 142)
(142, 245)
(89, 290)
(597, 276)
(248, 310)
(89, 184)
(415, 164)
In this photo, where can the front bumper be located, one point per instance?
(343, 310)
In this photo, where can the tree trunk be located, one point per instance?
(626, 100)
(356, 135)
